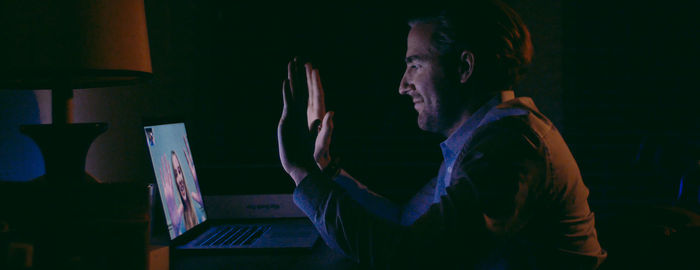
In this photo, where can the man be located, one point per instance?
(508, 195)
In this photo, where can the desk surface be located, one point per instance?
(319, 257)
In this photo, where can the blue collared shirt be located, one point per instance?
(452, 146)
(420, 203)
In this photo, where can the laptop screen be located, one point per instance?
(176, 177)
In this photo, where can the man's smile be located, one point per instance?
(417, 101)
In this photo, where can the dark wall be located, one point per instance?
(611, 76)
(359, 50)
(630, 96)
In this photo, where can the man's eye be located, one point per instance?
(414, 66)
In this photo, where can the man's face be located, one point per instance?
(179, 177)
(425, 81)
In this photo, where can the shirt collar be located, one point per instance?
(453, 144)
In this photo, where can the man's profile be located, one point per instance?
(508, 195)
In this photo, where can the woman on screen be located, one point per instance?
(189, 212)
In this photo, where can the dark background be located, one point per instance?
(615, 77)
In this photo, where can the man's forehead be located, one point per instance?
(419, 40)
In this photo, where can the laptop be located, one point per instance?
(185, 214)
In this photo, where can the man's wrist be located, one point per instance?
(332, 169)
(299, 173)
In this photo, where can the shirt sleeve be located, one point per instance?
(419, 203)
(378, 205)
(382, 207)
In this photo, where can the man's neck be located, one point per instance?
(463, 117)
(471, 107)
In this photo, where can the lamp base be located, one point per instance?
(64, 147)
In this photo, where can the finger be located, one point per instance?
(323, 142)
(324, 136)
(320, 97)
(311, 105)
(292, 77)
(309, 80)
(317, 107)
(286, 97)
(290, 70)
(287, 91)
(299, 85)
(292, 80)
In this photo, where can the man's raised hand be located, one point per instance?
(293, 138)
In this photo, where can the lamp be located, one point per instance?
(66, 45)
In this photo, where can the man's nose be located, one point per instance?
(404, 86)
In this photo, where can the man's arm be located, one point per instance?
(384, 208)
(459, 219)
(350, 228)
(367, 199)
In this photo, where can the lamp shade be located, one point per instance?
(73, 43)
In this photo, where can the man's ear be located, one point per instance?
(465, 66)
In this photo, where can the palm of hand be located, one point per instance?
(297, 148)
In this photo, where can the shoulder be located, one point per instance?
(517, 121)
(512, 141)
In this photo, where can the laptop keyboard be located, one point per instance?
(234, 235)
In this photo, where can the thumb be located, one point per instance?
(326, 129)
(323, 141)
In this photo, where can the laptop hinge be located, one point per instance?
(251, 206)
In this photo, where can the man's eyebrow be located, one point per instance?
(414, 58)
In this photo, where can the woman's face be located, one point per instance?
(179, 177)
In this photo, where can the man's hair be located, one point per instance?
(492, 31)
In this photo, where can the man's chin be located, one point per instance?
(423, 125)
